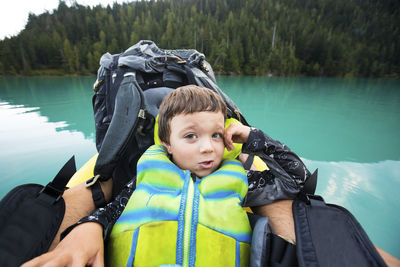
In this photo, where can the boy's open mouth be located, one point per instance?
(206, 164)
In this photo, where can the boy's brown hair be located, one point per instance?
(186, 100)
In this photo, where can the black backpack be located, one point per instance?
(128, 91)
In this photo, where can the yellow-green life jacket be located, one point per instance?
(172, 220)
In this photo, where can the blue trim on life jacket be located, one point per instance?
(222, 195)
(181, 220)
(246, 238)
(231, 162)
(193, 230)
(237, 258)
(133, 248)
(153, 190)
(234, 174)
(148, 213)
(163, 166)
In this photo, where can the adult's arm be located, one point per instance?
(79, 203)
(108, 215)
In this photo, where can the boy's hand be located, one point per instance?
(83, 246)
(235, 133)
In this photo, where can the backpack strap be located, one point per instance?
(129, 111)
(249, 161)
(310, 184)
(114, 79)
(54, 190)
(97, 193)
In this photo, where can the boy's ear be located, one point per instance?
(167, 146)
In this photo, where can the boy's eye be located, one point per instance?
(217, 135)
(190, 136)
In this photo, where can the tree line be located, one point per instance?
(341, 38)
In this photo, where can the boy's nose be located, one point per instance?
(206, 146)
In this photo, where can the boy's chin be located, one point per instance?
(202, 174)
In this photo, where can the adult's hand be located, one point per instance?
(83, 246)
(236, 133)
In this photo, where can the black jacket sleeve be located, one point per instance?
(286, 174)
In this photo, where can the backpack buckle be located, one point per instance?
(97, 84)
(52, 191)
(92, 180)
(308, 198)
(204, 67)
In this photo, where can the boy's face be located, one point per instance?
(196, 142)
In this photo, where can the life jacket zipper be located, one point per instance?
(188, 222)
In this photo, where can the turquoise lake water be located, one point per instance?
(347, 128)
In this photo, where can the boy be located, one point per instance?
(186, 207)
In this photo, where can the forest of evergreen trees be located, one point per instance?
(344, 38)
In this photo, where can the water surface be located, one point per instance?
(347, 128)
